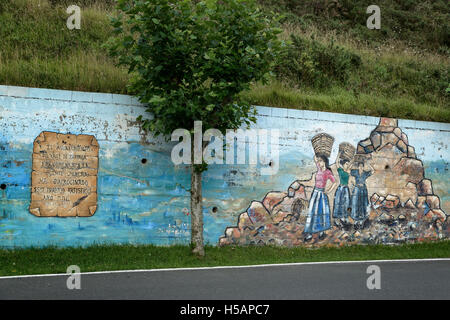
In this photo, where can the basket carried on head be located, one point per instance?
(322, 144)
(360, 158)
(347, 151)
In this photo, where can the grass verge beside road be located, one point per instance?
(129, 257)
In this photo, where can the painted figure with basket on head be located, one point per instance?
(341, 202)
(360, 197)
(319, 215)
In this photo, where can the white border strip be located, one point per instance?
(268, 111)
(233, 267)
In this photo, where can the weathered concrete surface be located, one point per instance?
(148, 201)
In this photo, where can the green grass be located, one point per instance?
(38, 50)
(127, 257)
(342, 100)
(423, 24)
(404, 69)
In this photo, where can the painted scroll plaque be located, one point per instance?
(64, 176)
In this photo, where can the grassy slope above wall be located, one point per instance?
(336, 64)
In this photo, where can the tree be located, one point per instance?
(190, 60)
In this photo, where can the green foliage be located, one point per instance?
(190, 60)
(424, 24)
(309, 62)
(403, 78)
(38, 50)
(39, 29)
(341, 100)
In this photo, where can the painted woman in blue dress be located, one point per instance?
(319, 215)
(360, 197)
(342, 195)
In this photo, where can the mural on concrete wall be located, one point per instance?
(142, 198)
(377, 195)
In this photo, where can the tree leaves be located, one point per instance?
(191, 59)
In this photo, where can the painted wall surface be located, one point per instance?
(143, 202)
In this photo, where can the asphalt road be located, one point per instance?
(399, 280)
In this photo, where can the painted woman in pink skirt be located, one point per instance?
(319, 214)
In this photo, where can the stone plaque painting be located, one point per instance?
(64, 175)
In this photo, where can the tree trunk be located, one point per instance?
(196, 213)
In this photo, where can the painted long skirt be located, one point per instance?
(341, 202)
(318, 212)
(360, 201)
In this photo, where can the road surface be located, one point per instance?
(413, 279)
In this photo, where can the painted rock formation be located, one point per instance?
(402, 204)
(399, 179)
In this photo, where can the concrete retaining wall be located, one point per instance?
(143, 198)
